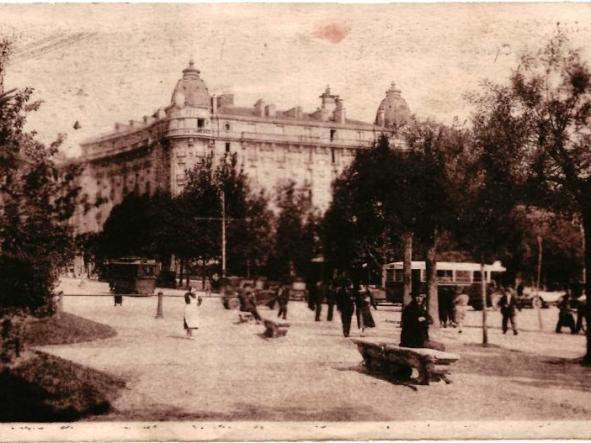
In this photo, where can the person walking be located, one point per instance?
(565, 314)
(331, 299)
(346, 305)
(191, 314)
(364, 302)
(283, 300)
(319, 299)
(461, 301)
(508, 305)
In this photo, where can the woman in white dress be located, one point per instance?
(191, 317)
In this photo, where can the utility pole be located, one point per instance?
(223, 234)
(537, 301)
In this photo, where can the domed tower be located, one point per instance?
(191, 90)
(393, 110)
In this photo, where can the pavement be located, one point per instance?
(230, 371)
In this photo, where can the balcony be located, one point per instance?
(302, 140)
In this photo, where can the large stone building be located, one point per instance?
(272, 145)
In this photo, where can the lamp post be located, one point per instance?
(223, 233)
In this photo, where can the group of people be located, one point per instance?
(349, 298)
(569, 306)
(452, 305)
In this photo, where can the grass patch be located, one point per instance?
(46, 388)
(67, 329)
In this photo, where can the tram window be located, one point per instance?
(444, 275)
(463, 276)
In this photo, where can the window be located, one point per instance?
(227, 126)
(332, 156)
(227, 146)
(444, 275)
(200, 122)
(463, 276)
(333, 134)
(398, 275)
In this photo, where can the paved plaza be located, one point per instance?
(229, 371)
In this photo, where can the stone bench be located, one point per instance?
(275, 328)
(396, 361)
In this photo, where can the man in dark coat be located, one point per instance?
(346, 305)
(508, 305)
(565, 314)
(283, 299)
(415, 325)
(331, 299)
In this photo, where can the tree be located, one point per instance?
(246, 214)
(296, 239)
(37, 198)
(549, 97)
(436, 154)
(141, 225)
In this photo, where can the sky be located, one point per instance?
(101, 64)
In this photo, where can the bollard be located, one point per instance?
(159, 308)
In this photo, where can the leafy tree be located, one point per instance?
(248, 219)
(548, 100)
(296, 240)
(357, 227)
(145, 226)
(37, 198)
(436, 154)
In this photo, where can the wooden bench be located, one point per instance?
(398, 362)
(244, 317)
(275, 328)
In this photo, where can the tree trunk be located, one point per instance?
(483, 293)
(407, 268)
(431, 271)
(587, 254)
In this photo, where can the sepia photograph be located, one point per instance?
(275, 221)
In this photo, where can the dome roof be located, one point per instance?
(393, 110)
(191, 90)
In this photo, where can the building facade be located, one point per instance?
(273, 146)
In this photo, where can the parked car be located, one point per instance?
(546, 298)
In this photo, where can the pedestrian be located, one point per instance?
(118, 299)
(283, 300)
(565, 314)
(191, 315)
(346, 304)
(319, 299)
(415, 325)
(331, 299)
(207, 286)
(581, 308)
(248, 302)
(461, 301)
(445, 305)
(364, 301)
(508, 305)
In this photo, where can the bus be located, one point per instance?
(131, 275)
(450, 276)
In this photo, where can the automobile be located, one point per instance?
(546, 298)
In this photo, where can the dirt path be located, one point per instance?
(230, 372)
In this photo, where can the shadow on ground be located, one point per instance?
(530, 369)
(45, 388)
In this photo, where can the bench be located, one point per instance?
(275, 328)
(398, 362)
(244, 317)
